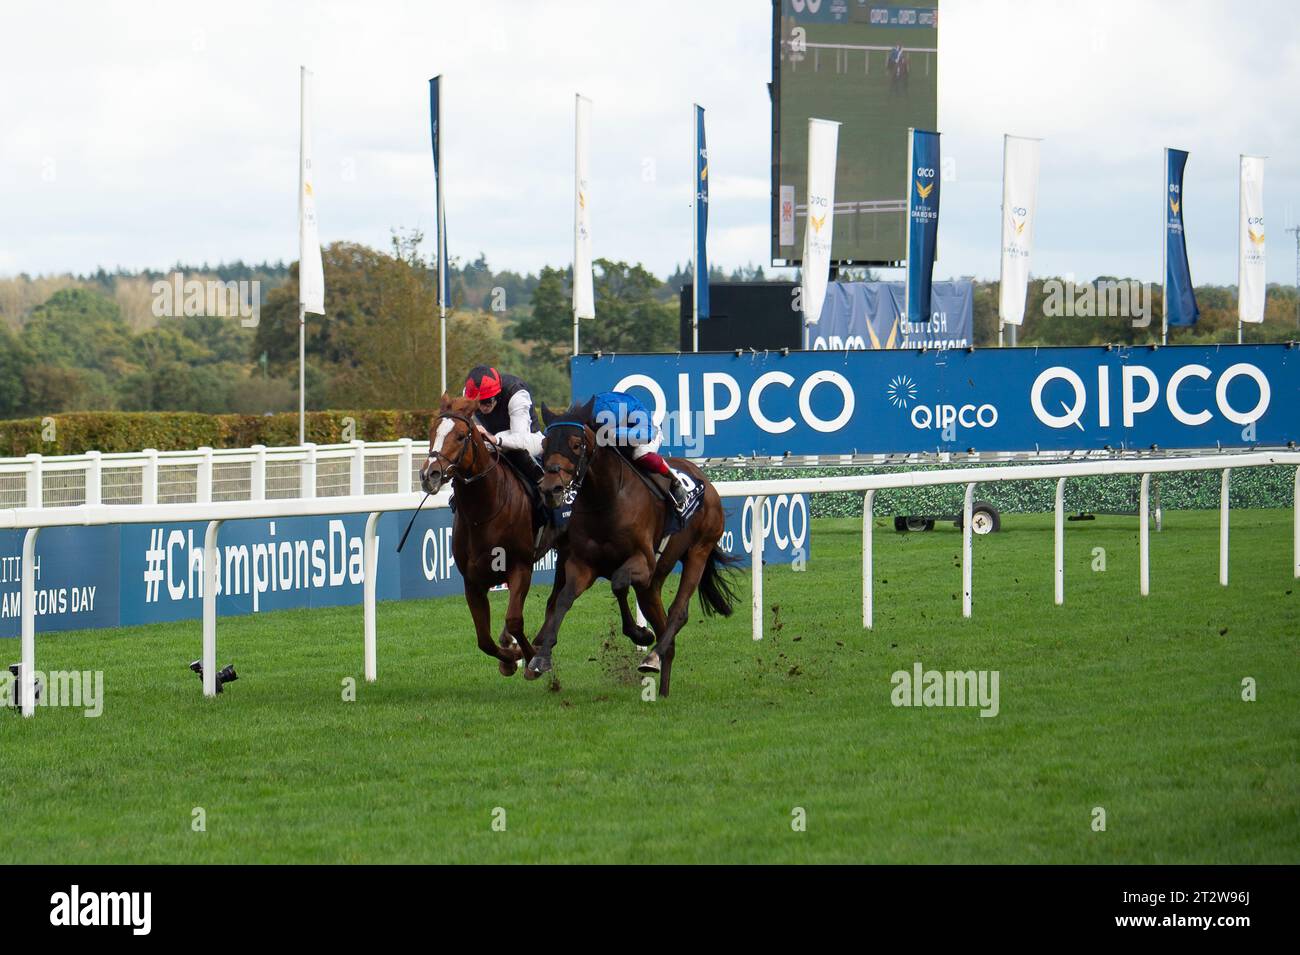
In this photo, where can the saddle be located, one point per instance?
(659, 484)
(522, 464)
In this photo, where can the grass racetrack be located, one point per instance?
(1116, 701)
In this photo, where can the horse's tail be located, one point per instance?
(717, 594)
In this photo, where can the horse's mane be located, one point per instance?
(580, 412)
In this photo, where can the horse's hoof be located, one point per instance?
(643, 637)
(650, 664)
(507, 667)
(536, 667)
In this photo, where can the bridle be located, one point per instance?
(580, 463)
(454, 468)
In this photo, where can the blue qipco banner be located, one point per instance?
(1180, 297)
(145, 573)
(1021, 399)
(922, 221)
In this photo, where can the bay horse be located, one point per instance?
(493, 538)
(616, 530)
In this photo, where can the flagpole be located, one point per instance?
(302, 308)
(577, 145)
(444, 281)
(1002, 271)
(1241, 161)
(695, 227)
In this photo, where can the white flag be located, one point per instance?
(1019, 209)
(1250, 263)
(311, 275)
(823, 142)
(584, 296)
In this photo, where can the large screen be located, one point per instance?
(874, 68)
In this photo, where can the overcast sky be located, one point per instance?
(139, 134)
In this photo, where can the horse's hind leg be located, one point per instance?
(519, 578)
(697, 558)
(619, 583)
(481, 611)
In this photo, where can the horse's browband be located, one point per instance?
(563, 424)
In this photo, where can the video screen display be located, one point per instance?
(873, 68)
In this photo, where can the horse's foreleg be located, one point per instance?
(577, 578)
(481, 611)
(519, 578)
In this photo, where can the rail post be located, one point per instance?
(368, 594)
(203, 479)
(149, 477)
(868, 517)
(27, 676)
(966, 511)
(257, 489)
(1295, 517)
(94, 478)
(358, 479)
(756, 565)
(406, 468)
(1060, 541)
(210, 565)
(1223, 526)
(34, 480)
(1144, 536)
(307, 473)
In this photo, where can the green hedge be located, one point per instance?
(1187, 490)
(111, 431)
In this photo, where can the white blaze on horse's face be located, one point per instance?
(430, 476)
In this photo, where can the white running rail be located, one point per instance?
(215, 513)
(206, 475)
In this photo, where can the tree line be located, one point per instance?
(94, 342)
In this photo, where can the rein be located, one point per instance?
(581, 466)
(455, 467)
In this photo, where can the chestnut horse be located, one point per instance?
(493, 538)
(616, 530)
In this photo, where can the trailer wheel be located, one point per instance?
(904, 523)
(984, 518)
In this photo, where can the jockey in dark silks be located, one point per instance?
(506, 418)
(623, 421)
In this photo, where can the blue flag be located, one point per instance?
(922, 222)
(701, 217)
(1180, 297)
(435, 108)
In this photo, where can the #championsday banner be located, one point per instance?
(1023, 399)
(151, 573)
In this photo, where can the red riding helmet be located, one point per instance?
(483, 383)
